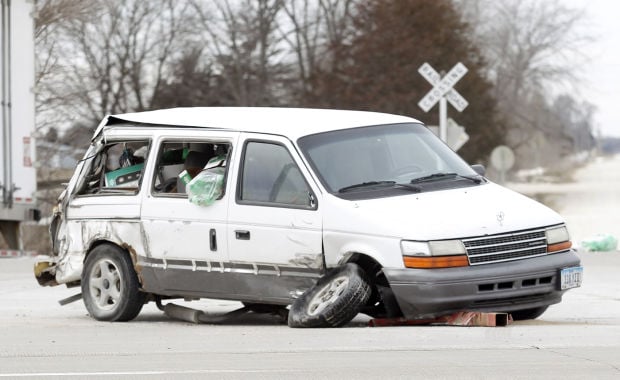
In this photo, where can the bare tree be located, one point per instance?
(93, 58)
(50, 16)
(241, 37)
(338, 20)
(533, 44)
(530, 46)
(533, 52)
(576, 117)
(303, 38)
(113, 58)
(315, 32)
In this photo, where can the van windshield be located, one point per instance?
(390, 157)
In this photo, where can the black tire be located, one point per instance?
(525, 314)
(110, 286)
(382, 304)
(333, 301)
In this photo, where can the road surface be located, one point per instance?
(577, 339)
(590, 204)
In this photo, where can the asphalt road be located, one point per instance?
(579, 338)
(590, 204)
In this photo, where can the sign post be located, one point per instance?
(456, 136)
(502, 159)
(443, 119)
(443, 92)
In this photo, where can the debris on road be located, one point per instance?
(600, 243)
(462, 318)
(68, 300)
(198, 316)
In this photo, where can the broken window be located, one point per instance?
(115, 168)
(190, 156)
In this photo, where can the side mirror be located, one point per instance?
(479, 169)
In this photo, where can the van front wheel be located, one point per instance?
(333, 301)
(110, 286)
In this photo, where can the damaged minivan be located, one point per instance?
(322, 214)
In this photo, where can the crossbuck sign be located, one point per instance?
(442, 91)
(443, 87)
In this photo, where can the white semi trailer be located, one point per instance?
(17, 153)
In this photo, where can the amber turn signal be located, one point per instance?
(551, 248)
(436, 262)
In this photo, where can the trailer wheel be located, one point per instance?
(333, 301)
(110, 286)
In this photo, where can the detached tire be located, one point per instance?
(110, 286)
(525, 314)
(334, 301)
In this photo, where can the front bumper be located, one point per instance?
(501, 287)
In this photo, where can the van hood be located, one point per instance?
(447, 214)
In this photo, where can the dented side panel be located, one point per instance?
(84, 220)
(271, 233)
(81, 235)
(341, 246)
(181, 249)
(226, 280)
(57, 227)
(175, 228)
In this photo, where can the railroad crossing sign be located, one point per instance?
(443, 87)
(442, 91)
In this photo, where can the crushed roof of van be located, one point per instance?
(291, 122)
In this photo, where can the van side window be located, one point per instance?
(177, 156)
(270, 175)
(116, 169)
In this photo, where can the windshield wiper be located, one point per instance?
(366, 184)
(409, 186)
(474, 179)
(380, 183)
(440, 176)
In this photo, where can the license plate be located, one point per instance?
(571, 277)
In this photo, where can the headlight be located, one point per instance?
(432, 248)
(447, 248)
(434, 254)
(558, 239)
(557, 235)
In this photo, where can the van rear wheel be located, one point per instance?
(334, 301)
(110, 286)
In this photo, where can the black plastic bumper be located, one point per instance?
(505, 287)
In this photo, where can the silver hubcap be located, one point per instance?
(105, 284)
(327, 295)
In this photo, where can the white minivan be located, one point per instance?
(319, 213)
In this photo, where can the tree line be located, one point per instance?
(98, 57)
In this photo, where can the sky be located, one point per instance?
(601, 74)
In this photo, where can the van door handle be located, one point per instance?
(213, 240)
(242, 235)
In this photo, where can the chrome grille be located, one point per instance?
(506, 247)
